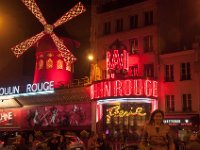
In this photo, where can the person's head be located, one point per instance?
(193, 136)
(157, 117)
(198, 136)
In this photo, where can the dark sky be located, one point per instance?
(17, 24)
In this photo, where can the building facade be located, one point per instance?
(160, 48)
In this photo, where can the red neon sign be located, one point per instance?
(120, 88)
(117, 60)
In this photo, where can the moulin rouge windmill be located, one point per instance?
(53, 57)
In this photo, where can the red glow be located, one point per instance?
(119, 88)
(148, 91)
(138, 87)
(117, 60)
(60, 76)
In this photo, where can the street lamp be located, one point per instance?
(90, 57)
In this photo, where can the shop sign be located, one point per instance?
(118, 112)
(177, 122)
(29, 88)
(5, 116)
(118, 115)
(124, 88)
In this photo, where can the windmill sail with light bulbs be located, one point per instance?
(61, 48)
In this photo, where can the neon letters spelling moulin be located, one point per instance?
(124, 88)
(30, 88)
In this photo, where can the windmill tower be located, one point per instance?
(53, 57)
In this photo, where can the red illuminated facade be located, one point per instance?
(155, 53)
(123, 102)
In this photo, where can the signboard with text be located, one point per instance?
(124, 88)
(29, 88)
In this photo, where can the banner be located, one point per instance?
(73, 115)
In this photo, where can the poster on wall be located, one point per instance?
(73, 115)
(63, 116)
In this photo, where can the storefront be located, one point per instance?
(123, 106)
(41, 107)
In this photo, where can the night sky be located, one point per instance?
(17, 24)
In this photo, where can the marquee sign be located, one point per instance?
(124, 88)
(29, 88)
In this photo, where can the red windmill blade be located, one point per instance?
(19, 49)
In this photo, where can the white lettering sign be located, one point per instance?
(39, 87)
(30, 88)
(5, 116)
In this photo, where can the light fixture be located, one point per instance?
(90, 57)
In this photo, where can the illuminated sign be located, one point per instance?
(5, 116)
(176, 122)
(117, 60)
(116, 63)
(124, 88)
(29, 88)
(118, 112)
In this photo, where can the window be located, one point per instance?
(133, 71)
(69, 67)
(119, 25)
(169, 102)
(59, 64)
(148, 43)
(148, 18)
(187, 102)
(107, 28)
(133, 45)
(169, 73)
(41, 64)
(49, 64)
(148, 70)
(185, 71)
(134, 22)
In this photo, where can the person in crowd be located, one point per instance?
(53, 144)
(92, 142)
(156, 135)
(194, 143)
(20, 143)
(101, 141)
(63, 143)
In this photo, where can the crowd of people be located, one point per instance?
(155, 136)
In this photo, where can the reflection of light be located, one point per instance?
(107, 131)
(137, 100)
(9, 103)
